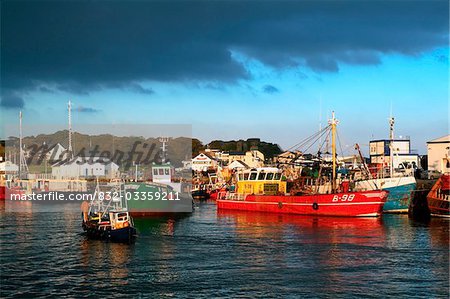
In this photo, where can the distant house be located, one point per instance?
(439, 154)
(287, 157)
(56, 152)
(85, 167)
(252, 158)
(187, 164)
(238, 165)
(401, 149)
(8, 167)
(203, 161)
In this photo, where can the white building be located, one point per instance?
(238, 165)
(439, 154)
(187, 164)
(203, 161)
(253, 158)
(85, 167)
(56, 152)
(380, 150)
(8, 167)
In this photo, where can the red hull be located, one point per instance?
(439, 207)
(214, 194)
(352, 204)
(439, 197)
(2, 193)
(7, 192)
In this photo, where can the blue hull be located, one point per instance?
(399, 198)
(122, 235)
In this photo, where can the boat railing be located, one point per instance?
(442, 196)
(231, 196)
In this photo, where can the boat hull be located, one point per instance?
(351, 204)
(400, 192)
(140, 204)
(438, 207)
(122, 235)
(200, 195)
(438, 198)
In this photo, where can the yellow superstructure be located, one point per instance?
(265, 180)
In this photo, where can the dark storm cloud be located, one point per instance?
(87, 109)
(81, 46)
(11, 101)
(46, 89)
(140, 89)
(270, 89)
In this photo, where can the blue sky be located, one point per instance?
(272, 82)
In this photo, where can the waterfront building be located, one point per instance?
(85, 167)
(379, 151)
(439, 154)
(187, 164)
(253, 158)
(56, 152)
(237, 165)
(203, 161)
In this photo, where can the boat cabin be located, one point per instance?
(264, 180)
(119, 219)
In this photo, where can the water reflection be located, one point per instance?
(317, 229)
(108, 261)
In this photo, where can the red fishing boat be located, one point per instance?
(264, 190)
(439, 197)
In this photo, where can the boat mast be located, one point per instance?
(20, 145)
(70, 130)
(333, 124)
(391, 146)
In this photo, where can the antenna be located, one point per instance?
(320, 118)
(23, 168)
(391, 143)
(69, 106)
(20, 144)
(163, 140)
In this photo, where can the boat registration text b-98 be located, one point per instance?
(345, 197)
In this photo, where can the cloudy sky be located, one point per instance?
(232, 69)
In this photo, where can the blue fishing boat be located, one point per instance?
(400, 191)
(399, 182)
(106, 216)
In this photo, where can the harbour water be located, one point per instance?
(215, 254)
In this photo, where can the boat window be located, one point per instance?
(269, 176)
(277, 176)
(246, 176)
(261, 176)
(253, 176)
